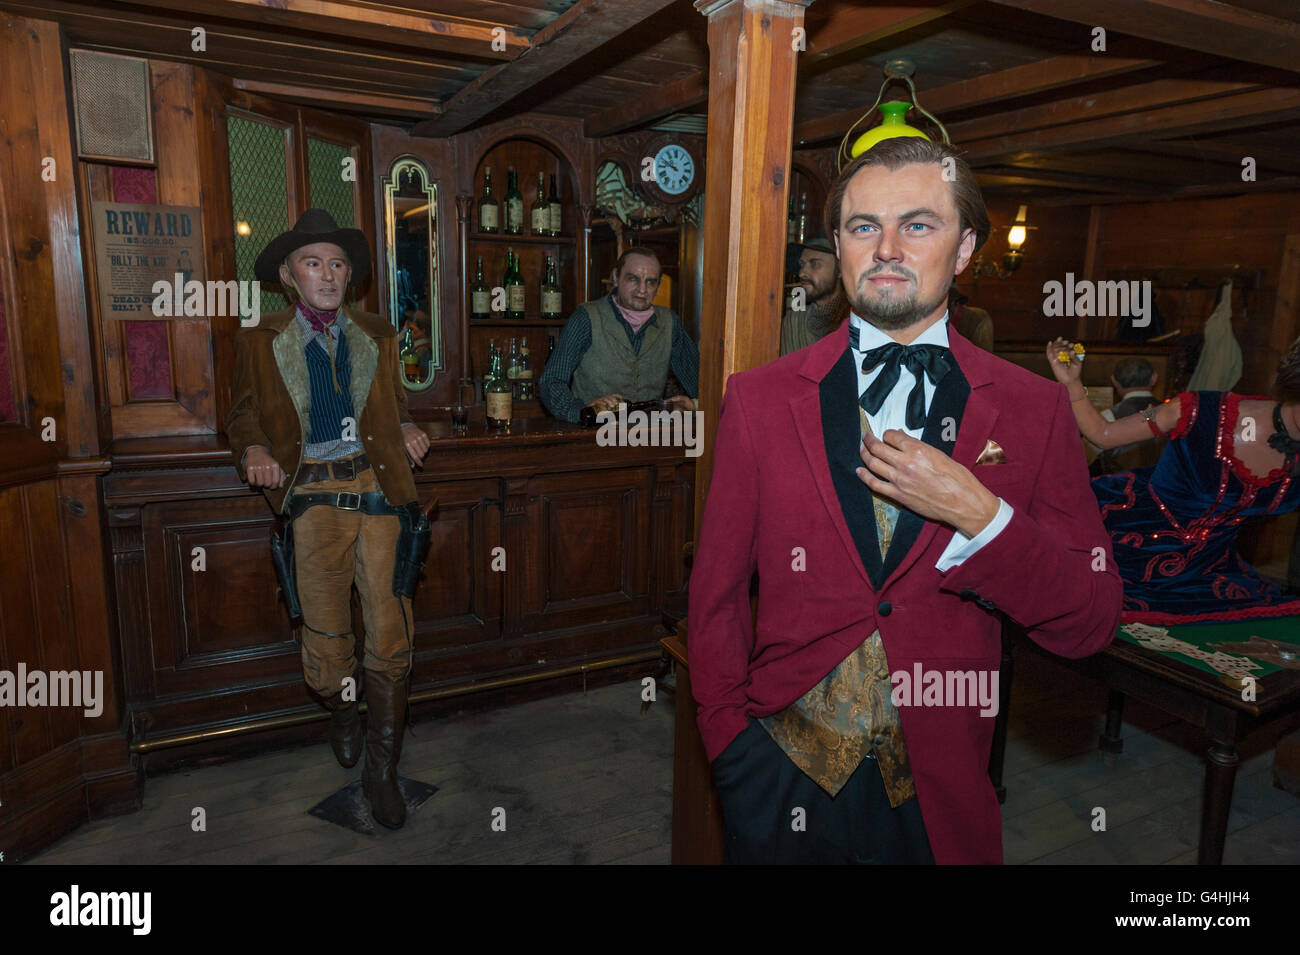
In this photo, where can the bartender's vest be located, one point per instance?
(610, 366)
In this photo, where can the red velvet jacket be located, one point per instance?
(773, 492)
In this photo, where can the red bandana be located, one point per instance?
(318, 320)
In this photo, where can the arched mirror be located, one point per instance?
(410, 216)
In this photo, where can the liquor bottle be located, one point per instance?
(489, 210)
(410, 359)
(505, 276)
(791, 224)
(803, 217)
(480, 297)
(487, 367)
(512, 367)
(554, 209)
(497, 397)
(515, 289)
(527, 388)
(550, 346)
(514, 205)
(541, 213)
(550, 291)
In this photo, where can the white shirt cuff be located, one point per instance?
(961, 546)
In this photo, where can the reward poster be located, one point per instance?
(137, 246)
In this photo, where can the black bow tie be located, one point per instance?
(933, 360)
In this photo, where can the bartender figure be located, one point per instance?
(621, 347)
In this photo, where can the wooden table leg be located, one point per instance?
(1220, 775)
(1110, 740)
(997, 755)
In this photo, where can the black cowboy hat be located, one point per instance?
(315, 225)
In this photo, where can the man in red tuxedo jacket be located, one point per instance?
(897, 490)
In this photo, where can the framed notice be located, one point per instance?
(139, 246)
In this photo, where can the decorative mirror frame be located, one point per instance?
(401, 166)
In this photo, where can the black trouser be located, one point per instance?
(760, 789)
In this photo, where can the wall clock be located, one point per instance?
(674, 169)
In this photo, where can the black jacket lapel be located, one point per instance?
(842, 433)
(949, 402)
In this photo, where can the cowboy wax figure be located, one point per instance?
(973, 502)
(318, 420)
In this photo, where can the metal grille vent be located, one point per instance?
(111, 99)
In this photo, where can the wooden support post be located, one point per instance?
(753, 45)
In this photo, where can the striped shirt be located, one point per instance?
(338, 448)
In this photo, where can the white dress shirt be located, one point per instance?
(893, 415)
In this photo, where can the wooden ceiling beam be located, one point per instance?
(583, 28)
(847, 27)
(1055, 179)
(392, 105)
(685, 93)
(844, 29)
(1224, 152)
(1130, 99)
(390, 25)
(1206, 26)
(1209, 191)
(1185, 119)
(1018, 81)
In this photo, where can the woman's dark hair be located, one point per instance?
(1287, 384)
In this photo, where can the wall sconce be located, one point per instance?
(1016, 236)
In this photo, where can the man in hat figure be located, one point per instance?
(318, 421)
(819, 305)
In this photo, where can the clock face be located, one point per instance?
(674, 169)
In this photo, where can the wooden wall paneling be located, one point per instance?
(131, 595)
(40, 253)
(459, 599)
(51, 591)
(27, 728)
(226, 618)
(210, 91)
(90, 598)
(1250, 230)
(589, 547)
(1056, 246)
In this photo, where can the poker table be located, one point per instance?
(1225, 678)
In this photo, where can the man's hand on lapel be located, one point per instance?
(416, 443)
(925, 480)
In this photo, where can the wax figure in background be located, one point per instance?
(621, 347)
(318, 418)
(1174, 526)
(1132, 381)
(824, 306)
(973, 502)
(973, 324)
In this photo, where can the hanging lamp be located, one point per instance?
(893, 115)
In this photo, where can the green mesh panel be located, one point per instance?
(258, 195)
(325, 180)
(329, 191)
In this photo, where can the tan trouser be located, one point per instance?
(334, 549)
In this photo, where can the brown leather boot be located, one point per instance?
(385, 726)
(346, 738)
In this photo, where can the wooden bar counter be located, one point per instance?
(551, 556)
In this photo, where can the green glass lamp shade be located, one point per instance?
(890, 127)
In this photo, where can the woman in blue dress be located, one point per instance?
(1173, 527)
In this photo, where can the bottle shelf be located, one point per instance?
(516, 322)
(507, 239)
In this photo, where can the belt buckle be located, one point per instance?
(352, 497)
